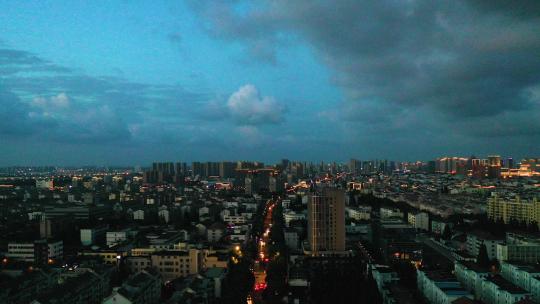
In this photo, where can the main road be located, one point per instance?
(262, 257)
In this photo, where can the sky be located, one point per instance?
(131, 82)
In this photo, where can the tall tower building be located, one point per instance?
(326, 221)
(494, 169)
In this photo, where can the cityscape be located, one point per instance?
(270, 152)
(451, 230)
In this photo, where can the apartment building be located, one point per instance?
(38, 252)
(517, 209)
(440, 287)
(519, 248)
(475, 239)
(525, 276)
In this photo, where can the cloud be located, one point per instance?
(60, 101)
(468, 61)
(13, 62)
(247, 107)
(72, 107)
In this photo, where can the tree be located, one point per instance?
(447, 233)
(533, 227)
(372, 295)
(483, 259)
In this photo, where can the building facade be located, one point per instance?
(326, 221)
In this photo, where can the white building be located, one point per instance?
(388, 213)
(90, 236)
(419, 220)
(519, 248)
(497, 290)
(359, 213)
(524, 276)
(471, 276)
(291, 238)
(215, 232)
(116, 237)
(292, 216)
(438, 227)
(164, 214)
(138, 215)
(440, 287)
(39, 251)
(477, 238)
(21, 251)
(44, 184)
(234, 219)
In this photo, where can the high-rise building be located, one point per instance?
(494, 166)
(326, 221)
(478, 168)
(226, 169)
(197, 169)
(355, 166)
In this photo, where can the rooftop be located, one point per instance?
(506, 285)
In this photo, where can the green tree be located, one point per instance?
(483, 259)
(447, 233)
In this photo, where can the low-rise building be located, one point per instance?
(525, 276)
(419, 220)
(497, 290)
(475, 239)
(519, 248)
(471, 276)
(215, 232)
(359, 213)
(176, 264)
(91, 236)
(38, 252)
(142, 288)
(440, 287)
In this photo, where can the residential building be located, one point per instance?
(215, 232)
(359, 213)
(519, 248)
(78, 212)
(176, 264)
(440, 287)
(141, 288)
(326, 221)
(520, 210)
(475, 239)
(291, 238)
(419, 220)
(390, 213)
(471, 276)
(497, 290)
(38, 252)
(91, 236)
(526, 276)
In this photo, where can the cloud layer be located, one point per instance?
(461, 64)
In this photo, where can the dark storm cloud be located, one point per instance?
(15, 120)
(61, 105)
(16, 61)
(457, 61)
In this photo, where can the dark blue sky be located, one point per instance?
(129, 82)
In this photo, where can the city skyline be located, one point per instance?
(113, 83)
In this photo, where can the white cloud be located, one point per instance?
(247, 107)
(60, 101)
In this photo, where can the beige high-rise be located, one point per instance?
(326, 221)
